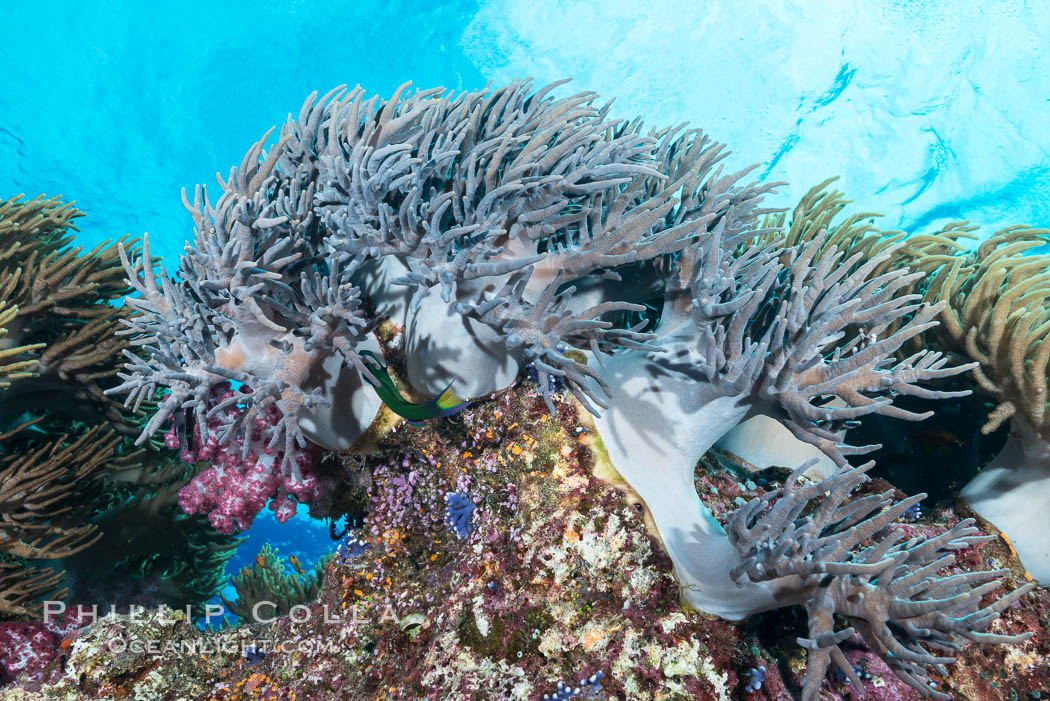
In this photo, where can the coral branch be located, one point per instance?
(996, 303)
(58, 332)
(40, 518)
(844, 560)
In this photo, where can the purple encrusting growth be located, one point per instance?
(458, 512)
(403, 498)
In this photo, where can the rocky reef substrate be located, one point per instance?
(500, 556)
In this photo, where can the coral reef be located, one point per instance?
(460, 240)
(559, 581)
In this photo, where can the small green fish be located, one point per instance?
(445, 403)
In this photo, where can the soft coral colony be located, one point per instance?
(81, 510)
(504, 228)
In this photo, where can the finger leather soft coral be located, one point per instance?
(748, 330)
(482, 207)
(257, 305)
(891, 591)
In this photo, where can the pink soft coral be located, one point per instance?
(239, 484)
(29, 650)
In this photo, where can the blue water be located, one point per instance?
(930, 111)
(306, 538)
(119, 105)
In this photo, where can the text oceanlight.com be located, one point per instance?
(201, 647)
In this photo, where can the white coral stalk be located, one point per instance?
(1013, 492)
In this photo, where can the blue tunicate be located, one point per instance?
(350, 548)
(755, 677)
(590, 687)
(861, 673)
(555, 384)
(458, 512)
(252, 656)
